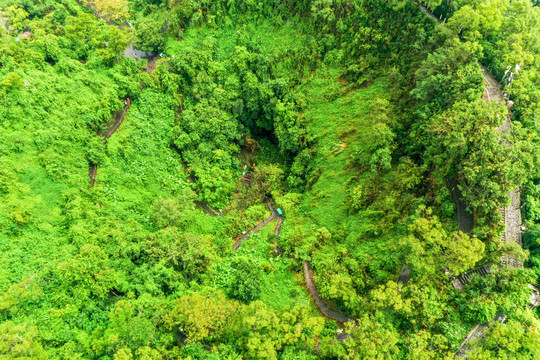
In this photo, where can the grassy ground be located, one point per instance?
(340, 118)
(141, 165)
(281, 288)
(43, 161)
(352, 249)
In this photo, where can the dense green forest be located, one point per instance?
(142, 139)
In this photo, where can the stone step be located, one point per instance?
(482, 271)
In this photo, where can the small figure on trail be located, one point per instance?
(162, 55)
(127, 102)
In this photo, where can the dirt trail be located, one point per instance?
(92, 173)
(465, 218)
(278, 226)
(248, 233)
(118, 119)
(310, 283)
(151, 66)
(277, 250)
(428, 13)
(333, 314)
(204, 207)
(113, 126)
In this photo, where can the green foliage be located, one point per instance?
(349, 115)
(202, 316)
(18, 341)
(232, 88)
(17, 18)
(448, 75)
(89, 273)
(270, 332)
(487, 167)
(371, 338)
(430, 247)
(246, 286)
(510, 340)
(150, 36)
(12, 81)
(503, 291)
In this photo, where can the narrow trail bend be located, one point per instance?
(118, 120)
(115, 123)
(310, 282)
(129, 52)
(113, 126)
(331, 313)
(247, 234)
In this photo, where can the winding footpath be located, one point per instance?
(117, 121)
(247, 234)
(331, 313)
(121, 114)
(310, 282)
(511, 214)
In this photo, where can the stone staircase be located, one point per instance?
(477, 333)
(511, 215)
(462, 280)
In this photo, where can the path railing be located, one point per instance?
(511, 215)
